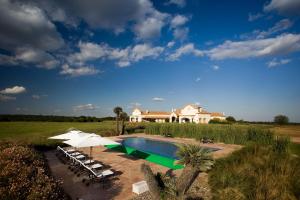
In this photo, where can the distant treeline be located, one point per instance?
(261, 122)
(52, 118)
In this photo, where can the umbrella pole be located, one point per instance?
(91, 152)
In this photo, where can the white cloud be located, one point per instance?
(35, 56)
(170, 44)
(150, 28)
(253, 17)
(57, 110)
(88, 51)
(112, 15)
(181, 33)
(84, 107)
(179, 3)
(209, 43)
(158, 99)
(134, 105)
(28, 34)
(6, 98)
(280, 45)
(23, 24)
(285, 7)
(184, 50)
(197, 103)
(24, 110)
(123, 57)
(278, 27)
(275, 62)
(30, 56)
(215, 67)
(38, 97)
(14, 90)
(78, 71)
(198, 79)
(141, 51)
(179, 20)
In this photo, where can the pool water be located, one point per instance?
(166, 149)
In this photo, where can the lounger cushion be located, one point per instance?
(95, 166)
(105, 173)
(80, 157)
(88, 162)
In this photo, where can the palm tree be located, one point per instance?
(151, 181)
(123, 117)
(118, 110)
(196, 159)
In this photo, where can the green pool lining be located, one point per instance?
(155, 158)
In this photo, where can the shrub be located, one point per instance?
(257, 172)
(227, 133)
(281, 119)
(218, 121)
(24, 175)
(230, 119)
(281, 144)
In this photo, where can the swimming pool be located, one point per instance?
(162, 148)
(159, 152)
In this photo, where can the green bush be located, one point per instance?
(257, 172)
(218, 121)
(24, 175)
(281, 119)
(227, 133)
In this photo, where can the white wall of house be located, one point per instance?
(189, 114)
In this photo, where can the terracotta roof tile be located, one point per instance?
(216, 114)
(156, 113)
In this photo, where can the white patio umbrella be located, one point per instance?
(90, 141)
(70, 135)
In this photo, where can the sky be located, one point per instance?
(73, 57)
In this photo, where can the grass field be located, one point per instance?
(38, 132)
(291, 130)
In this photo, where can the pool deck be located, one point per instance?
(128, 166)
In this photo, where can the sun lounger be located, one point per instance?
(102, 174)
(79, 157)
(70, 150)
(95, 166)
(88, 162)
(75, 154)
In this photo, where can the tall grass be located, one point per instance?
(231, 134)
(257, 172)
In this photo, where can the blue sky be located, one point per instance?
(85, 57)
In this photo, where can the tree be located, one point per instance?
(230, 119)
(123, 117)
(118, 110)
(196, 159)
(281, 119)
(151, 181)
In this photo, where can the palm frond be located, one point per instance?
(196, 156)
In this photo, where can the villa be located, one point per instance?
(189, 114)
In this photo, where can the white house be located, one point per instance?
(189, 114)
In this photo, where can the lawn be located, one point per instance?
(38, 132)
